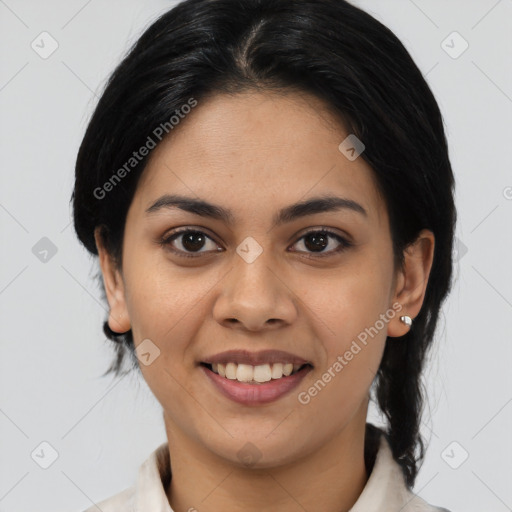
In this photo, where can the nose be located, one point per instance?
(254, 296)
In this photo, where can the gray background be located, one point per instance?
(53, 349)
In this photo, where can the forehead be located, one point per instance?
(252, 150)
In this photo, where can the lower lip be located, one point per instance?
(254, 394)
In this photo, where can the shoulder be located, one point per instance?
(414, 503)
(120, 502)
(386, 488)
(149, 488)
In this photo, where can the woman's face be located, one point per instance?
(247, 283)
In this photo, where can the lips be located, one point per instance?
(255, 358)
(255, 394)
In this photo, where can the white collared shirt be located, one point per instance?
(385, 490)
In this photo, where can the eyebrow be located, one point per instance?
(287, 214)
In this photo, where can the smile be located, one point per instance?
(251, 391)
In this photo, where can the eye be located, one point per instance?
(319, 239)
(191, 240)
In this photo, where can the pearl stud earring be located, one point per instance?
(407, 320)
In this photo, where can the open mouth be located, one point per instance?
(255, 385)
(255, 374)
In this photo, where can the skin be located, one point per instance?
(256, 153)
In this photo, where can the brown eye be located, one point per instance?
(189, 243)
(192, 241)
(318, 240)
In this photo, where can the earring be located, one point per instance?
(406, 320)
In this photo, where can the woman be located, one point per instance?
(268, 190)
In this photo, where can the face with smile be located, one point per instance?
(256, 274)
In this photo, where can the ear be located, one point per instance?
(412, 279)
(118, 319)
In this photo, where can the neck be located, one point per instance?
(330, 479)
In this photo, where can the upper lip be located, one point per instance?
(255, 358)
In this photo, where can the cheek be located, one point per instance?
(350, 313)
(168, 306)
(353, 336)
(347, 301)
(165, 308)
(161, 300)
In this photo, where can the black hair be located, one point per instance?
(328, 48)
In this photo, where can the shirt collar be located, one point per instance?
(385, 489)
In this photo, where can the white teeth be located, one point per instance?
(287, 369)
(231, 371)
(248, 373)
(262, 373)
(277, 370)
(244, 373)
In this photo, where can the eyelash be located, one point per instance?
(165, 242)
